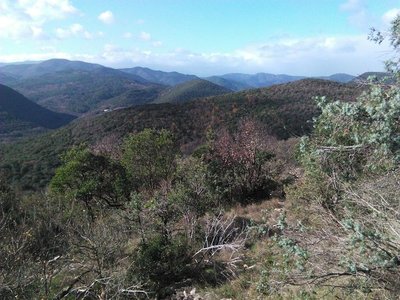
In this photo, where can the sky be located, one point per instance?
(202, 37)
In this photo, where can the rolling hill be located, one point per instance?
(339, 77)
(376, 76)
(78, 87)
(20, 116)
(160, 77)
(190, 90)
(229, 84)
(260, 79)
(285, 111)
(51, 66)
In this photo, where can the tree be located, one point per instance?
(95, 180)
(149, 157)
(352, 165)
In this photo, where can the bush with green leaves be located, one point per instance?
(149, 157)
(352, 138)
(352, 163)
(95, 180)
(162, 263)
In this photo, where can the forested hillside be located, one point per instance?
(78, 88)
(285, 111)
(190, 90)
(160, 77)
(20, 116)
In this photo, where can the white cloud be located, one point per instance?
(390, 15)
(106, 17)
(312, 56)
(157, 43)
(47, 9)
(75, 30)
(127, 35)
(352, 5)
(358, 14)
(321, 55)
(26, 18)
(145, 36)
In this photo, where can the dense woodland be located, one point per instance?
(285, 192)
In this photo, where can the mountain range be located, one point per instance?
(75, 88)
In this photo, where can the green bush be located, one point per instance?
(149, 156)
(162, 263)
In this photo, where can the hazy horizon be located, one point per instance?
(307, 38)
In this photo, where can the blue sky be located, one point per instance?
(203, 37)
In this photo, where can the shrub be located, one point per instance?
(149, 156)
(240, 165)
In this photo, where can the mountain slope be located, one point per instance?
(261, 79)
(376, 76)
(285, 110)
(160, 77)
(229, 84)
(77, 87)
(20, 116)
(190, 90)
(339, 77)
(25, 71)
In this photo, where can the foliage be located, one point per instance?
(239, 164)
(352, 137)
(162, 262)
(92, 179)
(149, 157)
(351, 164)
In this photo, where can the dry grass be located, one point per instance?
(259, 212)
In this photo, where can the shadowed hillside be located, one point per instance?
(20, 116)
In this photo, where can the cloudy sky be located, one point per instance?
(203, 37)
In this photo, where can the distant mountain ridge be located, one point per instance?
(52, 66)
(339, 77)
(76, 87)
(376, 76)
(229, 84)
(160, 77)
(261, 79)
